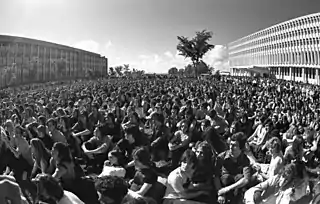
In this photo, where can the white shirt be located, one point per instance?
(175, 182)
(274, 166)
(70, 198)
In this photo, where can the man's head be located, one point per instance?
(48, 187)
(237, 143)
(111, 189)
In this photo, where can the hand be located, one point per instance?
(223, 191)
(130, 182)
(258, 168)
(221, 200)
(107, 163)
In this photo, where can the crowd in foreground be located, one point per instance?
(170, 141)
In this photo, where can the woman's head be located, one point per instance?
(203, 151)
(288, 174)
(61, 152)
(184, 126)
(274, 145)
(38, 149)
(188, 161)
(308, 134)
(117, 157)
(52, 124)
(98, 132)
(141, 158)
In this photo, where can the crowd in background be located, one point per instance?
(229, 141)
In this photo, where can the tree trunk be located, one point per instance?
(195, 63)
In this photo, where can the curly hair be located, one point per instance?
(111, 186)
(46, 183)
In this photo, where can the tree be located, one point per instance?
(126, 69)
(195, 48)
(202, 68)
(212, 69)
(217, 75)
(173, 71)
(181, 71)
(118, 70)
(189, 70)
(111, 71)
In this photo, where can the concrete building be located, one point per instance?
(288, 50)
(24, 60)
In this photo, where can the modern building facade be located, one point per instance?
(24, 60)
(289, 50)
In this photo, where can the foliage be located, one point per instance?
(217, 75)
(202, 68)
(195, 48)
(118, 70)
(211, 69)
(111, 71)
(124, 70)
(189, 70)
(173, 71)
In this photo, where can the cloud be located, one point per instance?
(108, 45)
(88, 45)
(168, 54)
(154, 63)
(150, 62)
(218, 58)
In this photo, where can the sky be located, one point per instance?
(143, 33)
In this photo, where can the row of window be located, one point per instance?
(301, 43)
(305, 21)
(304, 32)
(307, 58)
(281, 37)
(310, 73)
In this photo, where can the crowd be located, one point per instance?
(170, 141)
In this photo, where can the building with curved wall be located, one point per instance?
(24, 61)
(288, 50)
